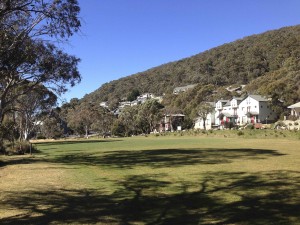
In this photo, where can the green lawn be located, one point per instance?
(154, 180)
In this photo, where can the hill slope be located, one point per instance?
(272, 54)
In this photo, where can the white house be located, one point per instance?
(219, 111)
(255, 109)
(295, 109)
(230, 112)
(104, 104)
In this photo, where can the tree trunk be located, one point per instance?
(86, 132)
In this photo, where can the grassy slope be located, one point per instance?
(154, 180)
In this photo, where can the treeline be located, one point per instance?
(33, 69)
(258, 60)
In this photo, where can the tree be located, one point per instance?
(81, 118)
(133, 95)
(149, 113)
(26, 30)
(204, 109)
(129, 119)
(51, 127)
(104, 121)
(86, 116)
(30, 107)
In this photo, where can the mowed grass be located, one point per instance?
(153, 180)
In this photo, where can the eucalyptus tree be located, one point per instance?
(81, 118)
(204, 109)
(28, 55)
(30, 108)
(130, 120)
(150, 114)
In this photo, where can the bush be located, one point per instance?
(249, 127)
(229, 125)
(40, 137)
(21, 148)
(240, 133)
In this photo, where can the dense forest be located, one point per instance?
(266, 61)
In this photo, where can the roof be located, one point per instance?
(227, 104)
(296, 105)
(223, 102)
(228, 115)
(258, 98)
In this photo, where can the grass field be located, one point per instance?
(154, 180)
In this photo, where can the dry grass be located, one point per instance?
(153, 180)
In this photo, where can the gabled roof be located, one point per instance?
(223, 101)
(227, 104)
(258, 98)
(296, 105)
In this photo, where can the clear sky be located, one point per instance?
(123, 37)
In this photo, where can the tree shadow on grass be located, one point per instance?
(18, 160)
(216, 198)
(165, 157)
(67, 142)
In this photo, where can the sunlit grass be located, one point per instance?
(178, 179)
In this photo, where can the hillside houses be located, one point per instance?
(177, 90)
(139, 100)
(239, 111)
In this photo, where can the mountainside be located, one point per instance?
(257, 60)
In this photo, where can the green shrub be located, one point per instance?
(240, 133)
(249, 127)
(39, 137)
(21, 148)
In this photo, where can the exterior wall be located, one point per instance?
(266, 113)
(217, 119)
(218, 110)
(295, 112)
(260, 109)
(210, 120)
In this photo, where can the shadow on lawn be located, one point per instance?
(217, 198)
(157, 158)
(66, 142)
(165, 157)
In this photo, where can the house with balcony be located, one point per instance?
(240, 111)
(170, 122)
(221, 108)
(255, 109)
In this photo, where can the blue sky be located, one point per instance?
(123, 37)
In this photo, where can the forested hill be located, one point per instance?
(240, 62)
